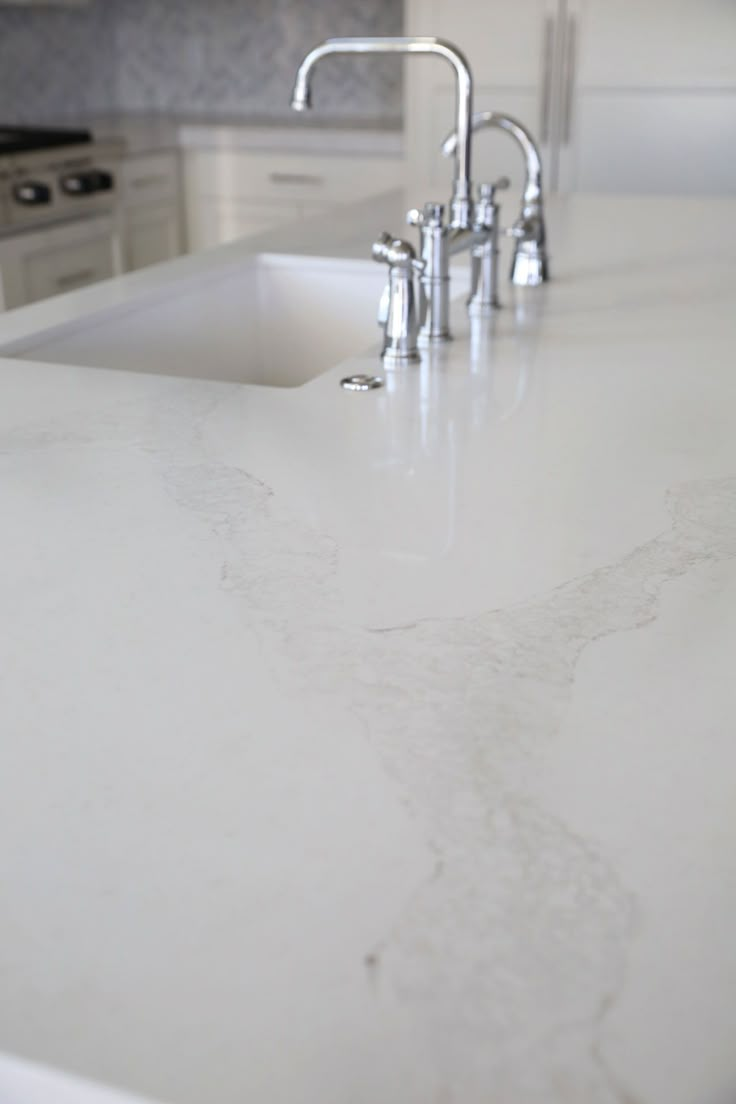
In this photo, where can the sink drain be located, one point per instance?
(361, 383)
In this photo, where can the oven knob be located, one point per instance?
(87, 182)
(31, 193)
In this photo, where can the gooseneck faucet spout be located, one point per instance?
(481, 119)
(461, 207)
(530, 256)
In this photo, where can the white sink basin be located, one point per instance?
(275, 320)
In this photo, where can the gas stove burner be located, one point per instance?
(29, 139)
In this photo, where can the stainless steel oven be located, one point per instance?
(51, 175)
(58, 206)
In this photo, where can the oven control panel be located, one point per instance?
(58, 184)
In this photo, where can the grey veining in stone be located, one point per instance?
(518, 906)
(223, 57)
(418, 795)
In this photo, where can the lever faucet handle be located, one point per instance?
(488, 191)
(431, 215)
(517, 231)
(527, 230)
(486, 209)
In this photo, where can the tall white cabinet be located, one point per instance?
(623, 95)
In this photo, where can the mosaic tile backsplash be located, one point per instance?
(54, 60)
(220, 57)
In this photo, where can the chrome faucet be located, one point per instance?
(438, 239)
(461, 204)
(529, 267)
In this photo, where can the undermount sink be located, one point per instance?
(272, 319)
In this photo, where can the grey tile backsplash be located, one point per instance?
(54, 60)
(218, 57)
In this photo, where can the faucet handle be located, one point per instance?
(486, 210)
(488, 191)
(431, 214)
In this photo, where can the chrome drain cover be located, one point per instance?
(361, 383)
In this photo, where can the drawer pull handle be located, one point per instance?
(295, 178)
(148, 181)
(85, 275)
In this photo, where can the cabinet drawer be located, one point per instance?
(150, 179)
(276, 177)
(53, 271)
(37, 264)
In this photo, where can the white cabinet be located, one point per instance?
(631, 95)
(152, 234)
(511, 46)
(150, 209)
(146, 229)
(37, 264)
(234, 193)
(651, 100)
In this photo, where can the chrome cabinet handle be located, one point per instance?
(569, 78)
(85, 275)
(149, 181)
(295, 178)
(547, 67)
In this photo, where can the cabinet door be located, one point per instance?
(36, 265)
(150, 234)
(215, 220)
(150, 178)
(649, 96)
(231, 193)
(51, 272)
(666, 143)
(655, 44)
(512, 47)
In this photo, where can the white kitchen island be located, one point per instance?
(382, 747)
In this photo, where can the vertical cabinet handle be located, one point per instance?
(569, 78)
(548, 43)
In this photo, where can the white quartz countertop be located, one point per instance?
(382, 747)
